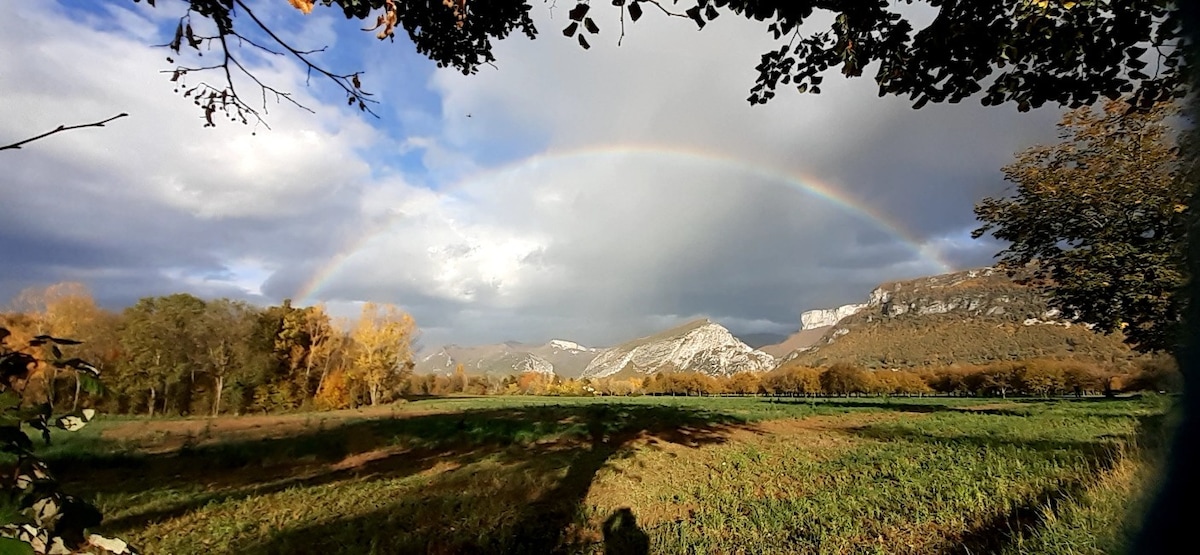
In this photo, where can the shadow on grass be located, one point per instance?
(507, 480)
(1100, 455)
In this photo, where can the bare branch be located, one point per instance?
(17, 145)
(226, 98)
(665, 10)
(622, 37)
(344, 81)
(242, 38)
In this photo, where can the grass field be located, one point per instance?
(630, 475)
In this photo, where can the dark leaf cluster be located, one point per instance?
(51, 521)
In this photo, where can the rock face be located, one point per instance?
(699, 346)
(979, 292)
(558, 357)
(824, 317)
(564, 345)
(535, 364)
(972, 317)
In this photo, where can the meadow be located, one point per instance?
(629, 475)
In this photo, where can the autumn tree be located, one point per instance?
(322, 343)
(1039, 377)
(528, 383)
(1102, 217)
(909, 383)
(996, 379)
(67, 309)
(459, 382)
(382, 348)
(792, 380)
(844, 379)
(743, 383)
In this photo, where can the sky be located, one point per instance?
(593, 195)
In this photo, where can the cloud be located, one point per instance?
(155, 195)
(591, 195)
(616, 242)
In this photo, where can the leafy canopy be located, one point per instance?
(1028, 52)
(1103, 214)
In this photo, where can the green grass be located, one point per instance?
(675, 475)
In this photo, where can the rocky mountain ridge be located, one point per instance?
(973, 316)
(824, 317)
(698, 346)
(557, 357)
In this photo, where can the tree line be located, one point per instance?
(1039, 377)
(179, 354)
(182, 355)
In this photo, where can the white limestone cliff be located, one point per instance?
(565, 345)
(825, 317)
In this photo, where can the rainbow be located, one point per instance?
(803, 184)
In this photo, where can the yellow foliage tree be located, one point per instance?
(382, 349)
(334, 392)
(64, 309)
(743, 383)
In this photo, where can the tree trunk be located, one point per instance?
(374, 394)
(50, 378)
(75, 401)
(152, 398)
(217, 400)
(321, 382)
(308, 365)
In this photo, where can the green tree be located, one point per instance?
(227, 350)
(160, 341)
(1102, 215)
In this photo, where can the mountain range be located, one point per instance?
(974, 317)
(565, 358)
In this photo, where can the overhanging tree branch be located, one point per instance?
(17, 145)
(348, 82)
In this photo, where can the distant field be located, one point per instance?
(608, 475)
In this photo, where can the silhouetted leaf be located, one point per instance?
(13, 440)
(590, 25)
(571, 29)
(635, 11)
(583, 42)
(578, 12)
